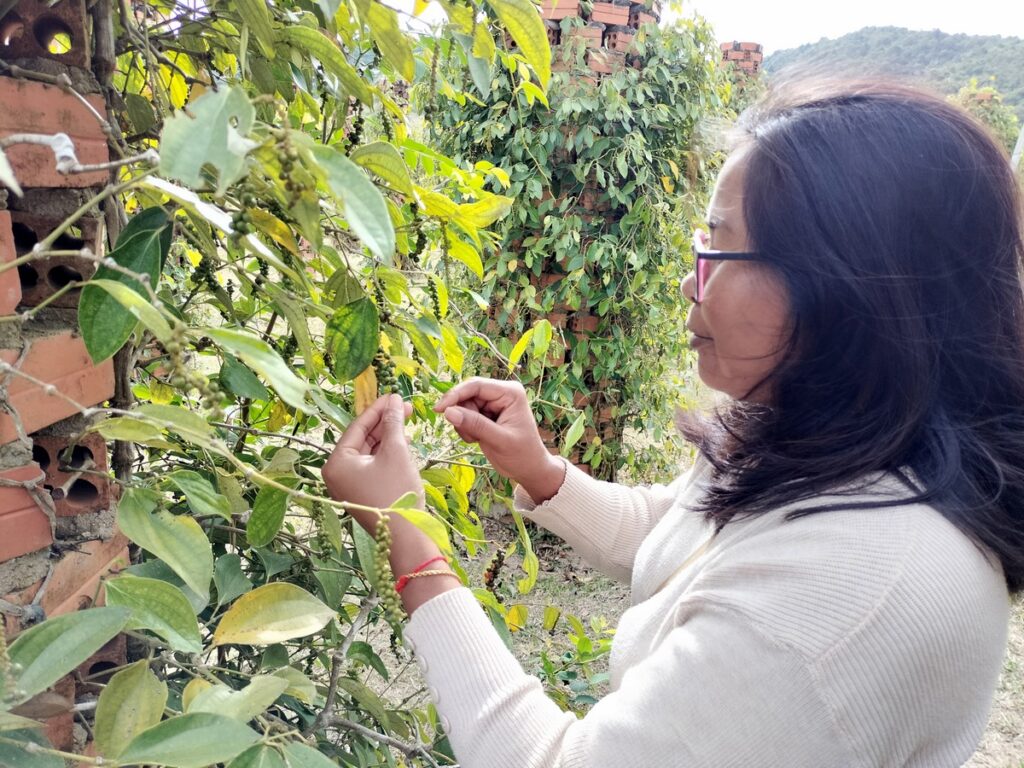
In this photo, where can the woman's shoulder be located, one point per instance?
(814, 580)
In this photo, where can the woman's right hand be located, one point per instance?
(497, 415)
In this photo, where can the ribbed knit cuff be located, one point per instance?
(585, 512)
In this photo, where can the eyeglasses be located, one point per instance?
(702, 255)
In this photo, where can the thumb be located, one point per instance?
(472, 426)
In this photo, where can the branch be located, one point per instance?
(338, 659)
(407, 749)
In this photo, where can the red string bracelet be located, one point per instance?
(403, 580)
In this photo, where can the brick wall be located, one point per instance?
(747, 57)
(57, 533)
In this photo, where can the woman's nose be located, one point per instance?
(689, 287)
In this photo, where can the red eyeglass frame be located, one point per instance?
(702, 255)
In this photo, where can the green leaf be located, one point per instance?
(393, 44)
(364, 543)
(353, 335)
(203, 499)
(330, 55)
(131, 702)
(364, 653)
(212, 131)
(158, 606)
(229, 578)
(240, 381)
(256, 14)
(573, 435)
(161, 571)
(142, 248)
(267, 516)
(48, 651)
(242, 705)
(7, 177)
(18, 756)
(189, 425)
(262, 358)
(137, 306)
(140, 112)
(304, 756)
(130, 429)
(195, 740)
(362, 203)
(382, 159)
(177, 540)
(299, 686)
(523, 22)
(271, 614)
(259, 756)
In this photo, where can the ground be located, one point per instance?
(566, 582)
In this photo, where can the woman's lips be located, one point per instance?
(697, 341)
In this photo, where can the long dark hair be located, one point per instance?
(894, 221)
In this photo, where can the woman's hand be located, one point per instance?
(497, 415)
(371, 464)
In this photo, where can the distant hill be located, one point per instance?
(942, 60)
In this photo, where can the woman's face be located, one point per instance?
(740, 328)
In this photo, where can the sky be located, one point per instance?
(779, 24)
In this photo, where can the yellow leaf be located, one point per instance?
(429, 524)
(270, 614)
(675, 169)
(515, 619)
(271, 225)
(419, 6)
(366, 389)
(666, 182)
(160, 393)
(484, 212)
(194, 688)
(522, 20)
(279, 416)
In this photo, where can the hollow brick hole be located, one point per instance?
(62, 274)
(11, 29)
(53, 36)
(41, 456)
(82, 492)
(75, 457)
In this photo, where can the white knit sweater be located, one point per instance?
(856, 638)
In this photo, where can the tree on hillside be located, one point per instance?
(986, 104)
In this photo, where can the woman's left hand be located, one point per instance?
(371, 464)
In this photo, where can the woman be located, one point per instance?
(829, 585)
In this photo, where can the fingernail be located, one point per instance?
(454, 416)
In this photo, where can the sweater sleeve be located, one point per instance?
(604, 522)
(715, 694)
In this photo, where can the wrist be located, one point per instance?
(545, 481)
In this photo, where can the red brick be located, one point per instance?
(610, 13)
(24, 525)
(605, 62)
(75, 472)
(59, 729)
(619, 39)
(40, 278)
(32, 24)
(560, 9)
(59, 360)
(10, 285)
(75, 583)
(47, 109)
(98, 668)
(584, 323)
(591, 34)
